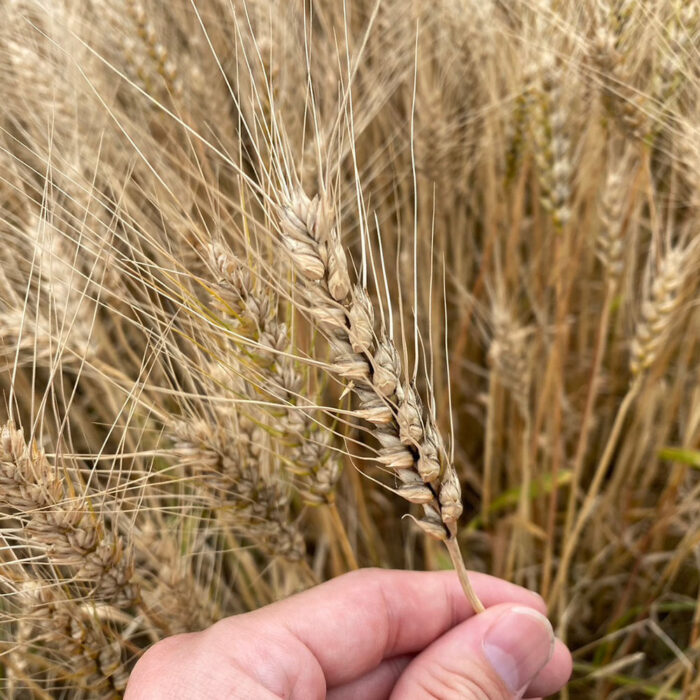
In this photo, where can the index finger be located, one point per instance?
(352, 623)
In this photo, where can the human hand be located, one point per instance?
(369, 635)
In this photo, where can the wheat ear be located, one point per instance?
(157, 53)
(75, 644)
(410, 443)
(61, 533)
(308, 455)
(553, 146)
(228, 463)
(67, 534)
(658, 310)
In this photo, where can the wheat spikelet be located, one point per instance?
(26, 340)
(436, 131)
(667, 79)
(63, 529)
(346, 314)
(67, 571)
(612, 55)
(610, 242)
(553, 147)
(518, 124)
(77, 650)
(156, 51)
(67, 280)
(508, 354)
(176, 597)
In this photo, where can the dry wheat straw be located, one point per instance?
(610, 250)
(658, 314)
(511, 365)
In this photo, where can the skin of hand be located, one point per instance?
(369, 635)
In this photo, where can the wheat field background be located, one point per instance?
(291, 288)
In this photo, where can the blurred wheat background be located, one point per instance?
(275, 275)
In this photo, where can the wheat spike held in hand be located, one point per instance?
(265, 266)
(410, 441)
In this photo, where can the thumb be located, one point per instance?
(491, 656)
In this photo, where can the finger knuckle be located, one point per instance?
(467, 684)
(153, 664)
(361, 576)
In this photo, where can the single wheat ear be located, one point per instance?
(370, 366)
(552, 153)
(310, 458)
(252, 505)
(64, 530)
(659, 308)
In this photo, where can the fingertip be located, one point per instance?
(554, 675)
(494, 654)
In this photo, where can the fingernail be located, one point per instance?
(518, 645)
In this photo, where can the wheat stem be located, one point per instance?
(342, 535)
(582, 444)
(458, 562)
(593, 490)
(489, 437)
